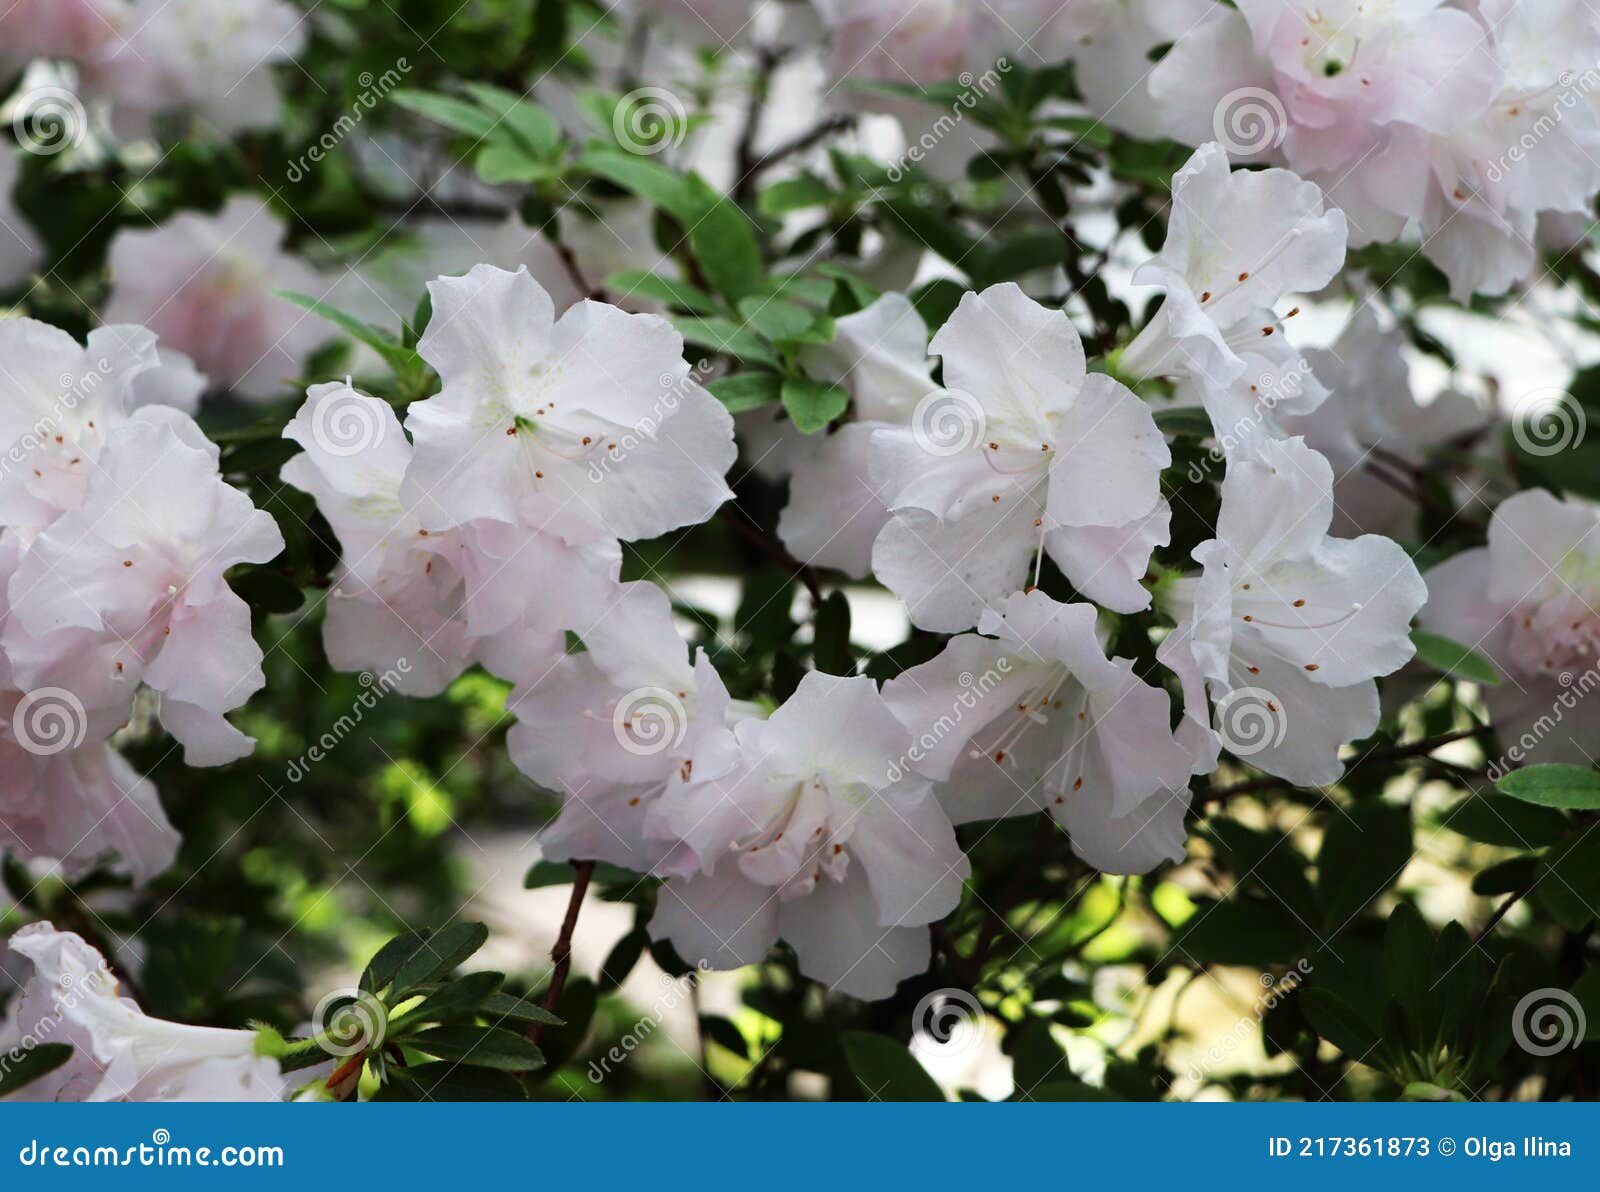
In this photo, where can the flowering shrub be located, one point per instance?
(978, 547)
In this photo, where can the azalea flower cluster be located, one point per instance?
(208, 59)
(1474, 123)
(116, 530)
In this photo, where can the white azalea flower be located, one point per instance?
(64, 401)
(1530, 602)
(119, 1052)
(1237, 244)
(1031, 455)
(213, 59)
(78, 807)
(834, 514)
(1289, 620)
(434, 600)
(1033, 717)
(204, 284)
(129, 587)
(811, 839)
(590, 425)
(618, 726)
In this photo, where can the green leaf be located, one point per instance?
(1570, 788)
(777, 319)
(25, 1065)
(503, 162)
(531, 125)
(495, 1047)
(508, 1008)
(1569, 880)
(1332, 1018)
(403, 360)
(1450, 657)
(1066, 1090)
(560, 873)
(724, 243)
(1407, 956)
(887, 1071)
(726, 337)
(830, 649)
(1362, 854)
(450, 1082)
(1495, 819)
(631, 282)
(624, 955)
(459, 998)
(795, 194)
(265, 590)
(1241, 931)
(813, 404)
(647, 179)
(747, 390)
(723, 1033)
(436, 956)
(1185, 421)
(1506, 877)
(447, 110)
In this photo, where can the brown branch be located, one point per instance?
(834, 124)
(562, 952)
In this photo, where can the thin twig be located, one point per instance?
(562, 952)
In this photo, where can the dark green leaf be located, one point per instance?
(25, 1065)
(1570, 788)
(491, 1047)
(886, 1071)
(747, 390)
(1452, 658)
(1362, 854)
